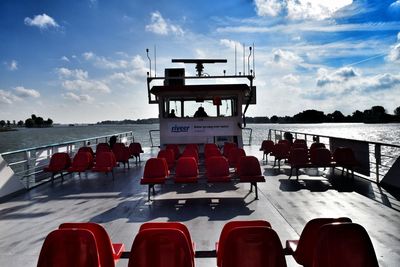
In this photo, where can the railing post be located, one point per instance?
(26, 167)
(377, 160)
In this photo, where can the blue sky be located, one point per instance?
(85, 60)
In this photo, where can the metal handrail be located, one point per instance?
(250, 136)
(151, 137)
(375, 152)
(28, 163)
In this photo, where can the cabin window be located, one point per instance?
(178, 108)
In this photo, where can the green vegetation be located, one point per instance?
(377, 114)
(126, 121)
(32, 122)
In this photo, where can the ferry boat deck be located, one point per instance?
(121, 206)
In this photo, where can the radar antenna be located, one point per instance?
(199, 63)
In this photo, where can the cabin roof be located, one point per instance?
(156, 90)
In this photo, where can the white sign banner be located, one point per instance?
(202, 128)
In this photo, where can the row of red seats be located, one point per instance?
(85, 159)
(217, 170)
(207, 147)
(299, 156)
(324, 242)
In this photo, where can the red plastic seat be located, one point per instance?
(345, 244)
(249, 171)
(168, 155)
(59, 162)
(227, 148)
(344, 157)
(160, 247)
(267, 147)
(69, 247)
(212, 152)
(191, 152)
(102, 147)
(220, 245)
(284, 141)
(105, 162)
(300, 141)
(186, 170)
(175, 148)
(256, 246)
(210, 146)
(303, 249)
(234, 156)
(281, 152)
(86, 149)
(299, 145)
(121, 153)
(321, 157)
(109, 253)
(298, 158)
(155, 172)
(135, 150)
(172, 225)
(82, 161)
(192, 146)
(217, 169)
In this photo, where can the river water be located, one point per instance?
(26, 138)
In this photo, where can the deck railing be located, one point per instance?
(28, 163)
(381, 155)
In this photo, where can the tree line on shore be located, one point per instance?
(377, 114)
(32, 122)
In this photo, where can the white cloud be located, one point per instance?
(7, 97)
(12, 65)
(394, 54)
(104, 63)
(161, 26)
(339, 76)
(25, 92)
(78, 80)
(65, 58)
(42, 21)
(300, 9)
(291, 79)
(78, 98)
(135, 75)
(231, 44)
(284, 57)
(398, 36)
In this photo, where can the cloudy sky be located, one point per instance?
(85, 60)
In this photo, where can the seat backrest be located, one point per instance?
(192, 146)
(300, 141)
(173, 225)
(210, 146)
(235, 155)
(227, 148)
(228, 228)
(69, 247)
(191, 152)
(284, 141)
(135, 148)
(309, 236)
(160, 247)
(298, 156)
(186, 167)
(299, 145)
(121, 152)
(217, 166)
(103, 241)
(344, 156)
(317, 145)
(60, 161)
(344, 244)
(168, 155)
(175, 148)
(267, 146)
(155, 168)
(320, 156)
(102, 147)
(256, 246)
(212, 152)
(281, 150)
(86, 149)
(105, 159)
(82, 160)
(249, 166)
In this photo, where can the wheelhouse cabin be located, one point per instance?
(191, 112)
